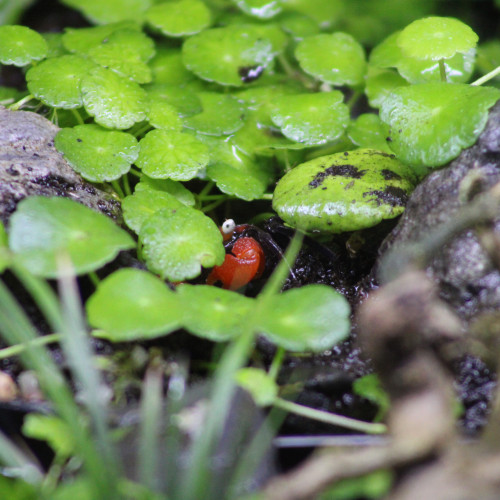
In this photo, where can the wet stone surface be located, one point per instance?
(30, 165)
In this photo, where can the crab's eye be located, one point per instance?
(228, 226)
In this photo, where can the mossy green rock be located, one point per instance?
(344, 191)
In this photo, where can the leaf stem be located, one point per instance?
(118, 189)
(17, 349)
(214, 204)
(126, 185)
(487, 77)
(78, 116)
(330, 418)
(279, 356)
(21, 102)
(442, 70)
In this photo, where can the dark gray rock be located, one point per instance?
(467, 278)
(31, 165)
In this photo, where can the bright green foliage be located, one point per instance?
(370, 387)
(259, 384)
(172, 155)
(46, 232)
(114, 101)
(298, 26)
(164, 116)
(96, 153)
(221, 115)
(436, 38)
(323, 12)
(143, 204)
(55, 45)
(213, 313)
(367, 131)
(167, 67)
(263, 9)
(177, 243)
(52, 429)
(335, 58)
(429, 124)
(4, 257)
(388, 54)
(179, 18)
(371, 486)
(244, 183)
(380, 83)
(311, 318)
(125, 51)
(312, 119)
(20, 45)
(110, 11)
(133, 304)
(232, 55)
(344, 191)
(83, 40)
(174, 188)
(184, 100)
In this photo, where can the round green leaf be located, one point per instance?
(126, 52)
(83, 40)
(179, 18)
(324, 12)
(310, 318)
(20, 45)
(367, 131)
(110, 11)
(56, 81)
(98, 154)
(387, 53)
(213, 313)
(312, 119)
(173, 155)
(344, 191)
(176, 243)
(4, 251)
(169, 186)
(380, 83)
(233, 55)
(436, 38)
(259, 384)
(43, 230)
(168, 68)
(458, 68)
(114, 101)
(222, 114)
(429, 124)
(263, 9)
(237, 182)
(337, 59)
(298, 26)
(183, 99)
(164, 116)
(143, 204)
(133, 305)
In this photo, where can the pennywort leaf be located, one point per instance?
(310, 318)
(98, 154)
(43, 229)
(429, 124)
(259, 384)
(344, 191)
(213, 313)
(56, 81)
(179, 18)
(143, 204)
(114, 101)
(436, 38)
(133, 304)
(312, 119)
(174, 188)
(20, 45)
(233, 55)
(335, 58)
(173, 155)
(178, 242)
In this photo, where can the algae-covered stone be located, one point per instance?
(344, 191)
